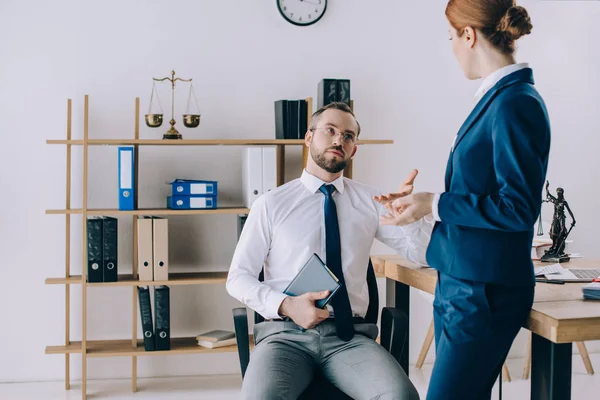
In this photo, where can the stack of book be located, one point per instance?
(216, 338)
(189, 194)
(591, 291)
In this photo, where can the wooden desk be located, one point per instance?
(558, 318)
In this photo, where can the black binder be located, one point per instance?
(302, 119)
(293, 113)
(162, 317)
(241, 220)
(330, 90)
(94, 248)
(146, 317)
(343, 91)
(327, 92)
(281, 119)
(110, 245)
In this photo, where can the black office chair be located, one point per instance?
(394, 333)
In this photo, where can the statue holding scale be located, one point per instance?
(558, 230)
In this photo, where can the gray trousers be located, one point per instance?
(286, 356)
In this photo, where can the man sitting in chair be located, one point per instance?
(337, 218)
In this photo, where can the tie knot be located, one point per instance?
(327, 189)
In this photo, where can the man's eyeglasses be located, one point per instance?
(347, 137)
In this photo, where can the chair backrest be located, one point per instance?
(373, 308)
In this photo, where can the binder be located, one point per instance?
(144, 247)
(293, 115)
(269, 168)
(330, 90)
(251, 174)
(326, 92)
(162, 318)
(110, 249)
(146, 317)
(241, 220)
(191, 202)
(302, 119)
(95, 250)
(126, 183)
(281, 119)
(160, 245)
(187, 187)
(343, 90)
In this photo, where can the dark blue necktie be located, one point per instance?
(340, 301)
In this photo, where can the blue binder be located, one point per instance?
(126, 184)
(191, 202)
(187, 187)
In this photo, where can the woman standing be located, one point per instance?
(481, 242)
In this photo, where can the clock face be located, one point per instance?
(302, 12)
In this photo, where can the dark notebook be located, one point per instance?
(314, 277)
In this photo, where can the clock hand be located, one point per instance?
(311, 2)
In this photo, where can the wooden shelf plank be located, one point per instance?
(73, 347)
(200, 142)
(182, 278)
(175, 279)
(167, 211)
(70, 211)
(123, 348)
(154, 211)
(71, 280)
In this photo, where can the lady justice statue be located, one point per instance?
(558, 230)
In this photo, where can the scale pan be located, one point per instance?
(191, 120)
(154, 120)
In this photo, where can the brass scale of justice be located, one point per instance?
(155, 120)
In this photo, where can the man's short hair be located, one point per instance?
(336, 105)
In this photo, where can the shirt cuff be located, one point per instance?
(273, 304)
(434, 207)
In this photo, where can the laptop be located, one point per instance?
(557, 272)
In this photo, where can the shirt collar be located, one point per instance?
(495, 76)
(313, 183)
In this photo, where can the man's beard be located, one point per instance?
(333, 165)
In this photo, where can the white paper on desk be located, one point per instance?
(547, 270)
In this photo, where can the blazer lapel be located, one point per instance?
(523, 75)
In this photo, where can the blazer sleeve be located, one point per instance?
(521, 142)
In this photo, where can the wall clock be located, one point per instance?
(302, 12)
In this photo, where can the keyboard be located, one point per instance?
(585, 273)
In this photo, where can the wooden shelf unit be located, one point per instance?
(134, 347)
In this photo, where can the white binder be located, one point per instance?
(269, 168)
(252, 174)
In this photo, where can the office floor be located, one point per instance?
(227, 387)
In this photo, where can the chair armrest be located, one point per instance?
(394, 332)
(240, 323)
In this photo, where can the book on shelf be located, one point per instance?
(216, 338)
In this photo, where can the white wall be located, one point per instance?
(243, 56)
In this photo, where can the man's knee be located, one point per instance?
(262, 389)
(399, 390)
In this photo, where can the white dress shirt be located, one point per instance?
(286, 226)
(485, 86)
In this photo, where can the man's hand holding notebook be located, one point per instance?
(309, 293)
